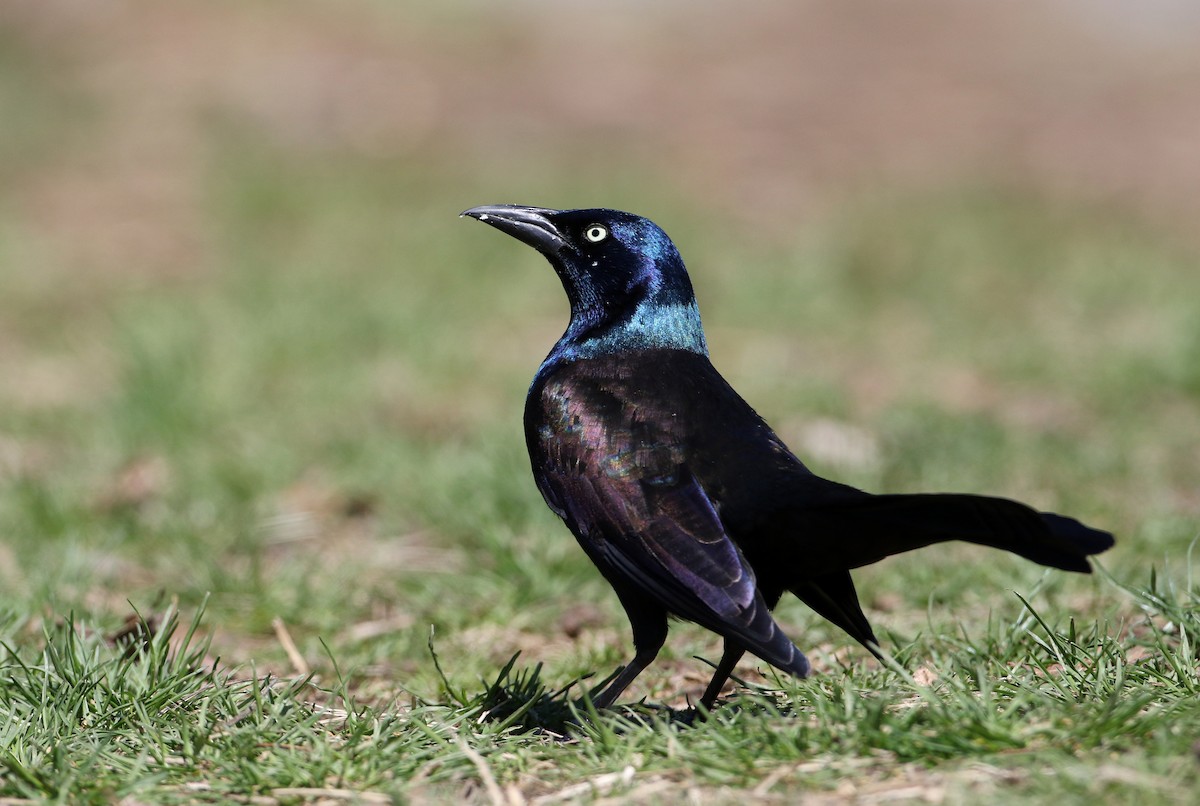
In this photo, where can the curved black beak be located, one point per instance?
(530, 225)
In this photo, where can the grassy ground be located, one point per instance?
(291, 448)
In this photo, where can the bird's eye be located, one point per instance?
(595, 233)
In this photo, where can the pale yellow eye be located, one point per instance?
(595, 233)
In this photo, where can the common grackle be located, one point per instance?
(683, 497)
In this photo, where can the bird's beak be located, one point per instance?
(530, 225)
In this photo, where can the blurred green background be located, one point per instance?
(247, 348)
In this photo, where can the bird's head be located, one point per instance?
(625, 280)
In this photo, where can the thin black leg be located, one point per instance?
(649, 622)
(729, 659)
(609, 696)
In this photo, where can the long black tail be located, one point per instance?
(859, 531)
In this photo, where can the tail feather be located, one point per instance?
(1086, 539)
(833, 597)
(864, 530)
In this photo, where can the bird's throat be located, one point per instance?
(650, 326)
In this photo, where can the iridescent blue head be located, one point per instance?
(625, 280)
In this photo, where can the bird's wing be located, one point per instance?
(618, 476)
(664, 533)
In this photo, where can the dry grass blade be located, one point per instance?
(289, 646)
(595, 787)
(311, 793)
(495, 794)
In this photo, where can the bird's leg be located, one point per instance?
(649, 622)
(729, 659)
(733, 653)
(631, 670)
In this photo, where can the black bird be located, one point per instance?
(683, 497)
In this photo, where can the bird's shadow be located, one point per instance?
(519, 699)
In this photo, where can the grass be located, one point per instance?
(297, 460)
(1023, 708)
